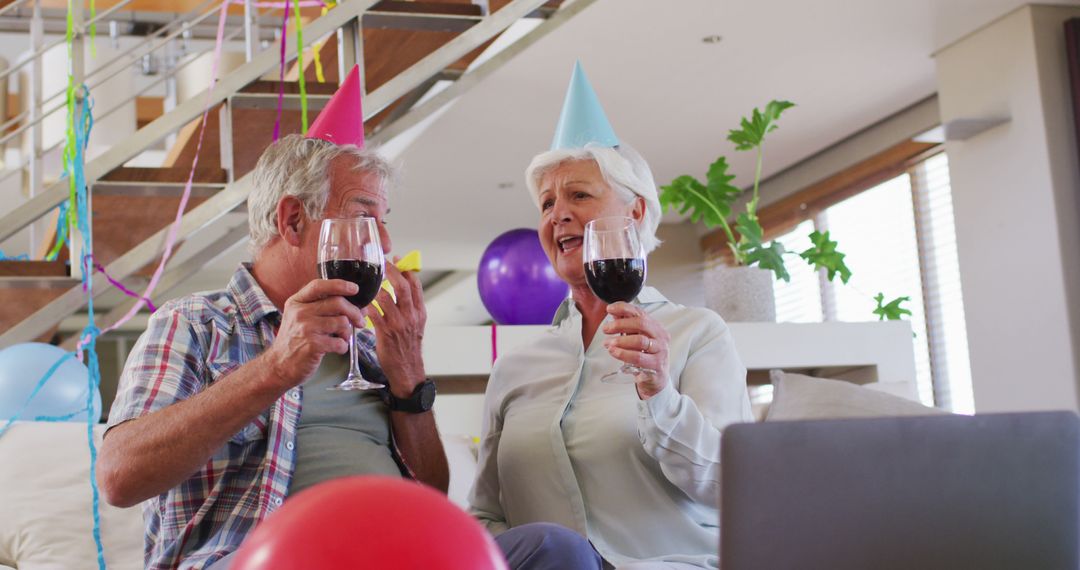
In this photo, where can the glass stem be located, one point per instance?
(354, 368)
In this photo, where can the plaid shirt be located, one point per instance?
(189, 344)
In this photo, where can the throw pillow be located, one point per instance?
(801, 397)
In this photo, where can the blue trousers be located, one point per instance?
(535, 546)
(546, 546)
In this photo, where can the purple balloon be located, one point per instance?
(517, 283)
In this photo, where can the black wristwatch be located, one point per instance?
(421, 400)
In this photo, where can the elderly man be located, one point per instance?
(210, 425)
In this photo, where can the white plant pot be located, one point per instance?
(741, 294)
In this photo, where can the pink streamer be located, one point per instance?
(494, 344)
(171, 238)
(121, 287)
(281, 75)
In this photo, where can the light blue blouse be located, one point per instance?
(639, 479)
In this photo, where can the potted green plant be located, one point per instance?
(744, 291)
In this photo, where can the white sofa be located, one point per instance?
(45, 496)
(46, 517)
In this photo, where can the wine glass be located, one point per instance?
(349, 249)
(615, 271)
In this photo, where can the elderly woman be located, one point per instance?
(634, 468)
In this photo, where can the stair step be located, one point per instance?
(33, 269)
(422, 16)
(160, 182)
(263, 94)
(38, 282)
(167, 174)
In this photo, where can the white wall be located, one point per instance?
(1017, 217)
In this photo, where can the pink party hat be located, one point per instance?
(342, 120)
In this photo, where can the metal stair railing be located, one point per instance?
(29, 121)
(235, 193)
(179, 116)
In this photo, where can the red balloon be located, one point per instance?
(369, 522)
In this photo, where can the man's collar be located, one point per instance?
(647, 296)
(252, 302)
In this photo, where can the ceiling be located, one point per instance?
(672, 96)
(847, 64)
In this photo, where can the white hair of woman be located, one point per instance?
(299, 166)
(622, 168)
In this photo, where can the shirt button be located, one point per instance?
(289, 445)
(295, 394)
(277, 501)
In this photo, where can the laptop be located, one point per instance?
(938, 492)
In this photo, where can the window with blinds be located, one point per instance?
(900, 240)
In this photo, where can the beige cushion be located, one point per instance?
(461, 457)
(45, 498)
(46, 520)
(801, 397)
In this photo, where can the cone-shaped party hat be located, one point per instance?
(583, 120)
(342, 120)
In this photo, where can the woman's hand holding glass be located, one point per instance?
(642, 342)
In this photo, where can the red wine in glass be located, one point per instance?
(367, 276)
(615, 271)
(615, 280)
(349, 249)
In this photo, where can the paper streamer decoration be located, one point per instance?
(316, 48)
(100, 269)
(37, 388)
(20, 257)
(281, 73)
(62, 223)
(171, 238)
(76, 168)
(411, 262)
(300, 62)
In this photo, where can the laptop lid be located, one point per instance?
(988, 491)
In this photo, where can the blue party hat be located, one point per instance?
(583, 120)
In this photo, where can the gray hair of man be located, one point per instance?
(622, 168)
(300, 167)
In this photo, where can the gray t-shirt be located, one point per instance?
(340, 433)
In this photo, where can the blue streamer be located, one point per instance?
(77, 167)
(41, 383)
(75, 164)
(61, 232)
(63, 418)
(20, 257)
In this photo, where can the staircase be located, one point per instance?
(404, 47)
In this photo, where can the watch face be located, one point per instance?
(427, 395)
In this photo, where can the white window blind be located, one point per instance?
(900, 240)
(798, 301)
(876, 229)
(941, 273)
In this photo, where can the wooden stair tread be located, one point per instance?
(434, 8)
(41, 282)
(170, 174)
(270, 87)
(33, 268)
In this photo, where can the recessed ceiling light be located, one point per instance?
(713, 39)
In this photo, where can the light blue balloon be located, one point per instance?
(21, 368)
(582, 120)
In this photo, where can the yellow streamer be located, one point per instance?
(315, 49)
(411, 262)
